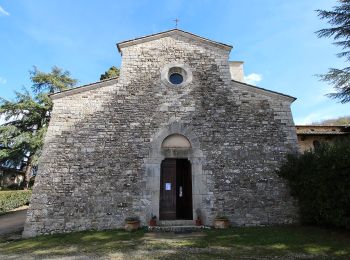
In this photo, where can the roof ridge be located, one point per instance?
(168, 32)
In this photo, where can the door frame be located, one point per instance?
(187, 213)
(202, 198)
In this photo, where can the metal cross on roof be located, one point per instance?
(176, 22)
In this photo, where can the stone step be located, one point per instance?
(177, 229)
(178, 222)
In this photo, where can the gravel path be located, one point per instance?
(12, 222)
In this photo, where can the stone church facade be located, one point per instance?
(173, 136)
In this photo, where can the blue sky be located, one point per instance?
(275, 39)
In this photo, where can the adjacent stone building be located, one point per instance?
(174, 136)
(11, 178)
(311, 136)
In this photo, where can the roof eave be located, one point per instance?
(82, 88)
(289, 98)
(324, 133)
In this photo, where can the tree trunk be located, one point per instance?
(28, 173)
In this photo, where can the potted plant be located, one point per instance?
(221, 222)
(153, 221)
(132, 223)
(199, 217)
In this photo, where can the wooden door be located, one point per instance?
(167, 205)
(175, 190)
(184, 189)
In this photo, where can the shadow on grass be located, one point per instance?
(96, 242)
(298, 242)
(279, 241)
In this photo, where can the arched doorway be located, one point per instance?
(161, 148)
(175, 200)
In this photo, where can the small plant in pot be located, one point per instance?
(199, 217)
(153, 221)
(132, 223)
(221, 222)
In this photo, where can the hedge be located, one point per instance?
(320, 180)
(13, 199)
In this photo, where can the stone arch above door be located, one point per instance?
(176, 141)
(175, 128)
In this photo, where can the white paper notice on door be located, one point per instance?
(167, 186)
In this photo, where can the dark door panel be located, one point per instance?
(175, 190)
(183, 189)
(167, 205)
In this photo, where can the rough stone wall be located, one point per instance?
(255, 141)
(92, 171)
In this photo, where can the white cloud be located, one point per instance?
(12, 118)
(3, 12)
(317, 107)
(328, 112)
(3, 80)
(2, 119)
(313, 118)
(253, 78)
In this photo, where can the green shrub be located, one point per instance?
(320, 180)
(13, 199)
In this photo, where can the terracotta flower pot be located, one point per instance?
(153, 222)
(132, 225)
(221, 223)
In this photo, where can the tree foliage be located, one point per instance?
(112, 72)
(339, 19)
(10, 200)
(320, 180)
(27, 118)
(54, 81)
(344, 120)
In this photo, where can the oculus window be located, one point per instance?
(176, 78)
(176, 75)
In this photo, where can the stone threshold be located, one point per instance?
(177, 222)
(180, 229)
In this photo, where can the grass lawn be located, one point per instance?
(236, 243)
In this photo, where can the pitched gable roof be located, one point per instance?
(171, 33)
(266, 91)
(83, 88)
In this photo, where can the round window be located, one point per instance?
(176, 75)
(176, 78)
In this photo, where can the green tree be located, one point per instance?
(112, 72)
(27, 118)
(320, 180)
(339, 19)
